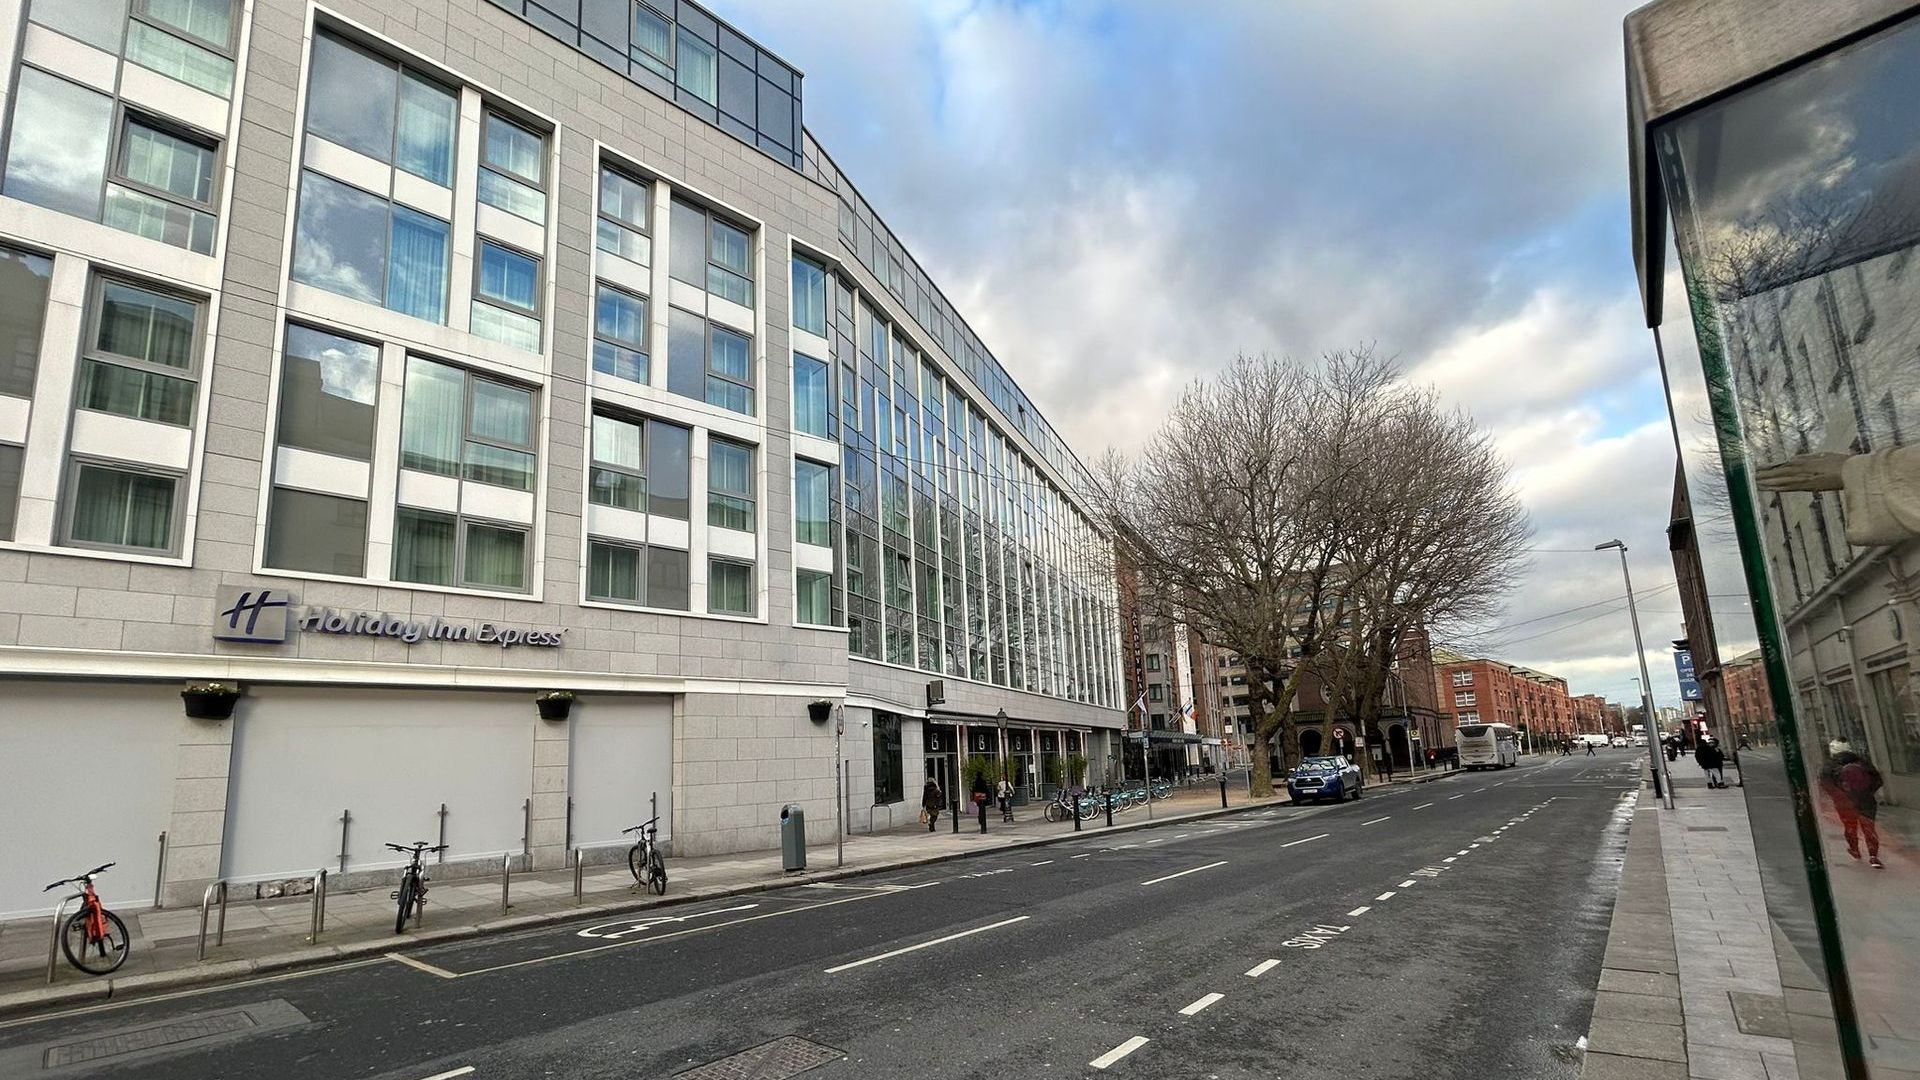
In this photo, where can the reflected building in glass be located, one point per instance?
(1776, 170)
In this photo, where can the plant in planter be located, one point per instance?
(210, 700)
(979, 773)
(554, 704)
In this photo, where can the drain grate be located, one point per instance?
(148, 1038)
(1706, 828)
(786, 1056)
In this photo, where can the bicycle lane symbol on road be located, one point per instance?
(613, 931)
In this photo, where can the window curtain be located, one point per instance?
(423, 548)
(508, 276)
(502, 414)
(809, 395)
(613, 573)
(622, 318)
(695, 62)
(617, 443)
(209, 20)
(433, 417)
(496, 558)
(729, 468)
(123, 509)
(174, 165)
(423, 144)
(146, 326)
(417, 266)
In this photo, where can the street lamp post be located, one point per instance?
(1662, 788)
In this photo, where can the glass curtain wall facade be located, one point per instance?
(1791, 345)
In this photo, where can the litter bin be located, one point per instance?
(793, 838)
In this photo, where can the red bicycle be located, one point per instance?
(94, 939)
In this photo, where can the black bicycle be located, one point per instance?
(412, 893)
(644, 860)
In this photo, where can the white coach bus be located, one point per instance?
(1486, 746)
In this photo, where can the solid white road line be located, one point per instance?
(1378, 820)
(1358, 911)
(1201, 1004)
(1308, 840)
(1407, 884)
(1385, 896)
(1113, 1056)
(465, 1070)
(1423, 806)
(929, 944)
(1262, 968)
(1184, 873)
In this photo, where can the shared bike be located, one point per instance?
(94, 939)
(412, 893)
(643, 859)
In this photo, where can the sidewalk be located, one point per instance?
(1692, 986)
(270, 935)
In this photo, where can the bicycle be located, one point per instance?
(412, 892)
(643, 859)
(94, 939)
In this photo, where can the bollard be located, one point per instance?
(160, 876)
(53, 943)
(1223, 791)
(954, 815)
(579, 872)
(506, 881)
(317, 920)
(1109, 794)
(1076, 813)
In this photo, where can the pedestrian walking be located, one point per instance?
(931, 800)
(1589, 747)
(1852, 784)
(1006, 799)
(1711, 761)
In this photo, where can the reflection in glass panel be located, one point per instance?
(143, 395)
(653, 40)
(506, 327)
(122, 509)
(625, 199)
(424, 142)
(813, 597)
(12, 459)
(350, 98)
(502, 413)
(495, 557)
(686, 353)
(209, 20)
(501, 468)
(164, 161)
(23, 312)
(157, 219)
(667, 578)
(732, 355)
(613, 572)
(97, 22)
(507, 276)
(423, 546)
(809, 296)
(812, 503)
(510, 148)
(812, 393)
(1796, 211)
(512, 196)
(146, 325)
(320, 534)
(178, 58)
(433, 417)
(340, 239)
(695, 63)
(328, 387)
(687, 238)
(57, 155)
(669, 469)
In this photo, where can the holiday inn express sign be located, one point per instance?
(264, 616)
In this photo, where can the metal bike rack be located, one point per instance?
(876, 806)
(160, 876)
(206, 901)
(53, 943)
(579, 871)
(526, 827)
(318, 920)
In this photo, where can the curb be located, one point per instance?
(308, 956)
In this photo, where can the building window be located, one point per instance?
(620, 334)
(1463, 698)
(188, 40)
(1157, 692)
(458, 424)
(729, 587)
(23, 313)
(712, 253)
(12, 459)
(513, 168)
(813, 597)
(445, 549)
(121, 508)
(812, 503)
(888, 759)
(1153, 661)
(812, 396)
(377, 107)
(625, 204)
(708, 362)
(730, 485)
(652, 41)
(1469, 718)
(618, 476)
(649, 576)
(141, 359)
(321, 534)
(328, 388)
(157, 180)
(364, 247)
(1463, 678)
(809, 296)
(694, 62)
(506, 297)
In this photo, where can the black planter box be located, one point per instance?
(554, 708)
(209, 704)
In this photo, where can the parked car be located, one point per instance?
(1331, 777)
(1621, 742)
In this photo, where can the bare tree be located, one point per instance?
(1306, 517)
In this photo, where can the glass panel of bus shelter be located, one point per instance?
(1796, 207)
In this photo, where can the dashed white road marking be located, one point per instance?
(1377, 820)
(1423, 806)
(1358, 911)
(1201, 1004)
(1113, 1056)
(1462, 851)
(929, 944)
(1042, 862)
(1308, 840)
(1386, 896)
(1262, 968)
(1083, 855)
(464, 1070)
(1184, 873)
(1478, 790)
(1450, 858)
(1407, 884)
(1462, 795)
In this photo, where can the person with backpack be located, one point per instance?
(1852, 785)
(1711, 761)
(931, 800)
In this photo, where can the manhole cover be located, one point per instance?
(148, 1038)
(786, 1056)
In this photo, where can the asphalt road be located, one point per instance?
(1452, 929)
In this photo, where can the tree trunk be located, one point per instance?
(1262, 764)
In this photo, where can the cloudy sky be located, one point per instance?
(1120, 195)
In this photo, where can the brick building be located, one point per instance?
(1478, 690)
